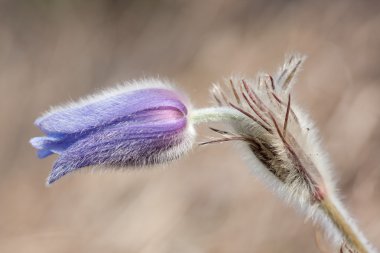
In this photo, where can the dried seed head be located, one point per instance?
(281, 146)
(277, 132)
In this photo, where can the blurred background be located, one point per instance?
(55, 51)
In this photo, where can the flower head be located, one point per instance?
(143, 123)
(281, 146)
(274, 130)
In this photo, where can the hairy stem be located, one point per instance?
(349, 232)
(214, 114)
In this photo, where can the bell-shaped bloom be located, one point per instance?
(138, 124)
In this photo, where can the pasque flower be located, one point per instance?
(148, 123)
(136, 124)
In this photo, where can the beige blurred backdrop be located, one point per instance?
(55, 51)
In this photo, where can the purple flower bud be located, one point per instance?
(132, 125)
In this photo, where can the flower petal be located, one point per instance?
(106, 109)
(154, 136)
(142, 124)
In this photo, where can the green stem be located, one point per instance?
(214, 114)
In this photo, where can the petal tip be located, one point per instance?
(39, 143)
(59, 170)
(37, 122)
(43, 153)
(48, 183)
(35, 142)
(52, 178)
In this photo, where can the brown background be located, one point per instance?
(54, 51)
